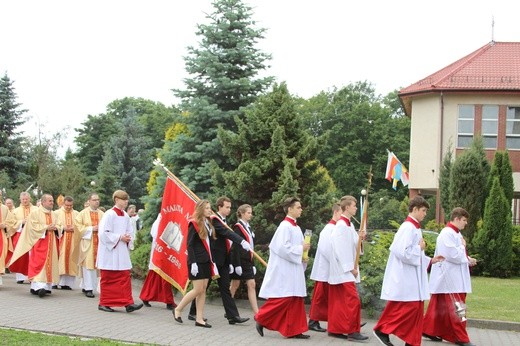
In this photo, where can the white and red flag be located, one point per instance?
(170, 255)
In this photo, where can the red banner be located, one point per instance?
(170, 255)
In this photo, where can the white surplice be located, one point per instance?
(320, 267)
(344, 241)
(284, 276)
(113, 253)
(405, 277)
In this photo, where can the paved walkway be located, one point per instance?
(71, 313)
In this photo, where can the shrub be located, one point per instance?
(372, 268)
(140, 259)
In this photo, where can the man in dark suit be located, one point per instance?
(220, 255)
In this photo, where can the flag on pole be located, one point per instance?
(396, 171)
(170, 255)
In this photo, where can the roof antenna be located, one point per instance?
(492, 29)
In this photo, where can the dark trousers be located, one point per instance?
(223, 285)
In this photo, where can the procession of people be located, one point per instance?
(66, 249)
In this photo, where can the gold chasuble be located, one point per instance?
(69, 242)
(8, 221)
(85, 220)
(41, 245)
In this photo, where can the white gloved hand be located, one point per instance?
(194, 269)
(254, 270)
(230, 269)
(245, 245)
(238, 270)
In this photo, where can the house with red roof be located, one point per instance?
(478, 94)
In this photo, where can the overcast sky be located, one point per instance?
(69, 59)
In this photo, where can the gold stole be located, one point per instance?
(94, 219)
(68, 240)
(48, 261)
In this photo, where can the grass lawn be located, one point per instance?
(21, 337)
(494, 299)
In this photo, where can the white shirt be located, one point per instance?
(113, 253)
(344, 240)
(153, 232)
(284, 276)
(321, 264)
(405, 277)
(452, 274)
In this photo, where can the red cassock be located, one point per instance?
(441, 319)
(344, 309)
(285, 315)
(320, 300)
(156, 289)
(116, 288)
(404, 320)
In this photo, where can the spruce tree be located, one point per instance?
(496, 170)
(494, 243)
(12, 156)
(275, 157)
(223, 78)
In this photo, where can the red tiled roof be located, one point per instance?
(493, 67)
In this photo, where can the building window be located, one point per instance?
(489, 126)
(513, 128)
(466, 125)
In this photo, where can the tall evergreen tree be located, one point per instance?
(12, 156)
(494, 242)
(275, 157)
(467, 179)
(495, 170)
(224, 77)
(129, 158)
(506, 179)
(445, 179)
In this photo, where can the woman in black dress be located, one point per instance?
(200, 265)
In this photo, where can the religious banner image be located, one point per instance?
(170, 256)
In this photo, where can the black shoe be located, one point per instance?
(193, 318)
(339, 336)
(465, 343)
(432, 338)
(316, 327)
(34, 292)
(89, 294)
(383, 338)
(177, 319)
(204, 325)
(362, 324)
(83, 290)
(66, 288)
(42, 292)
(300, 336)
(146, 303)
(133, 307)
(48, 292)
(169, 306)
(357, 337)
(238, 319)
(55, 287)
(19, 282)
(260, 329)
(105, 308)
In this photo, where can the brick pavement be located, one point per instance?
(71, 313)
